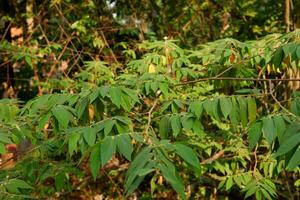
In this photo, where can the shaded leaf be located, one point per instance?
(73, 142)
(175, 124)
(124, 145)
(173, 179)
(251, 109)
(95, 160)
(254, 134)
(187, 154)
(89, 135)
(62, 116)
(108, 125)
(164, 127)
(294, 161)
(132, 179)
(115, 96)
(288, 144)
(269, 129)
(108, 148)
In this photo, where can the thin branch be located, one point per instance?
(109, 48)
(278, 103)
(150, 115)
(214, 157)
(236, 79)
(6, 31)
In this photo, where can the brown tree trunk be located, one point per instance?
(287, 9)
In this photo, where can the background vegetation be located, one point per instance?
(149, 99)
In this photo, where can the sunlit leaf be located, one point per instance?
(226, 106)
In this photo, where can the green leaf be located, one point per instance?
(17, 183)
(108, 125)
(280, 126)
(251, 109)
(124, 145)
(266, 194)
(269, 130)
(254, 134)
(95, 160)
(298, 52)
(60, 181)
(226, 106)
(4, 138)
(164, 87)
(196, 107)
(291, 130)
(269, 186)
(252, 188)
(208, 105)
(44, 119)
(132, 179)
(229, 183)
(175, 124)
(187, 122)
(145, 171)
(198, 128)
(108, 148)
(164, 127)
(243, 110)
(73, 142)
(2, 148)
(187, 154)
(115, 96)
(89, 135)
(125, 102)
(62, 115)
(233, 115)
(173, 179)
(288, 144)
(28, 61)
(277, 57)
(82, 107)
(294, 161)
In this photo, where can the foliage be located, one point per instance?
(160, 117)
(106, 100)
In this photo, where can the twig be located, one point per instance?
(110, 50)
(150, 114)
(214, 157)
(278, 103)
(236, 79)
(255, 158)
(6, 31)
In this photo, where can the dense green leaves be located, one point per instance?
(160, 113)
